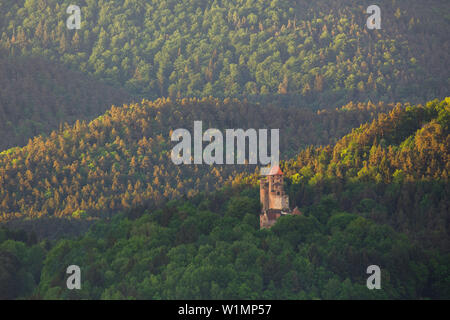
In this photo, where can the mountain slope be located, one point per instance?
(37, 95)
(211, 248)
(299, 52)
(122, 159)
(379, 196)
(394, 171)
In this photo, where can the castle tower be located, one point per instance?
(274, 201)
(264, 193)
(278, 200)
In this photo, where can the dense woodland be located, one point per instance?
(37, 95)
(86, 179)
(122, 159)
(211, 248)
(312, 53)
(394, 170)
(362, 203)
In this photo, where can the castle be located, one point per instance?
(274, 200)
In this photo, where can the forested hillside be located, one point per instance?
(86, 176)
(122, 159)
(378, 196)
(394, 171)
(211, 248)
(37, 95)
(295, 52)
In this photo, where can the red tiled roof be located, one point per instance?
(275, 171)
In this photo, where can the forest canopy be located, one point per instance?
(121, 161)
(86, 176)
(122, 158)
(37, 96)
(309, 53)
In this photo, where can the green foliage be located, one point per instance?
(377, 196)
(21, 261)
(299, 258)
(38, 95)
(209, 246)
(121, 160)
(318, 53)
(238, 207)
(394, 171)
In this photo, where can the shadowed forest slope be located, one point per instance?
(37, 95)
(378, 196)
